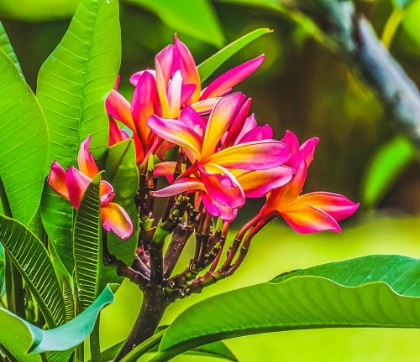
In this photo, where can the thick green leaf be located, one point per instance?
(386, 166)
(73, 84)
(87, 245)
(23, 143)
(8, 49)
(2, 265)
(269, 4)
(195, 18)
(27, 337)
(206, 68)
(122, 174)
(33, 262)
(373, 291)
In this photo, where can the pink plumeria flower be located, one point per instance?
(72, 185)
(218, 173)
(312, 212)
(165, 91)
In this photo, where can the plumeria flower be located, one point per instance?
(165, 91)
(72, 185)
(225, 176)
(312, 212)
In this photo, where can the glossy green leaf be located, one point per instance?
(122, 174)
(32, 260)
(73, 84)
(7, 48)
(23, 143)
(87, 245)
(29, 338)
(2, 265)
(401, 3)
(373, 291)
(387, 165)
(269, 4)
(206, 68)
(194, 18)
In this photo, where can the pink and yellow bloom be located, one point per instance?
(224, 176)
(72, 185)
(312, 212)
(165, 91)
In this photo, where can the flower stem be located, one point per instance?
(155, 302)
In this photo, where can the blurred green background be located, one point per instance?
(301, 87)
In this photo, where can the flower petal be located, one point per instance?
(174, 95)
(222, 185)
(85, 159)
(291, 141)
(57, 180)
(258, 155)
(188, 68)
(205, 106)
(188, 184)
(308, 149)
(219, 122)
(259, 183)
(106, 192)
(306, 219)
(177, 132)
(142, 107)
(237, 124)
(115, 219)
(76, 183)
(116, 134)
(259, 133)
(214, 208)
(337, 206)
(163, 66)
(232, 77)
(119, 108)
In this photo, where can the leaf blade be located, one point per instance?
(362, 292)
(206, 68)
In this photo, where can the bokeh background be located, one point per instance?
(301, 87)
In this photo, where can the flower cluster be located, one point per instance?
(224, 156)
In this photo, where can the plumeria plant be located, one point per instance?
(81, 169)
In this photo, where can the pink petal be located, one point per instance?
(219, 122)
(177, 132)
(119, 108)
(163, 66)
(259, 133)
(193, 120)
(237, 124)
(249, 124)
(136, 76)
(283, 197)
(116, 134)
(259, 183)
(188, 184)
(115, 219)
(166, 169)
(57, 180)
(76, 183)
(142, 107)
(85, 159)
(186, 93)
(188, 68)
(222, 185)
(291, 141)
(258, 155)
(306, 219)
(232, 77)
(308, 149)
(174, 95)
(337, 206)
(214, 208)
(106, 192)
(205, 106)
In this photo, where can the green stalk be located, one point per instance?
(95, 346)
(144, 347)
